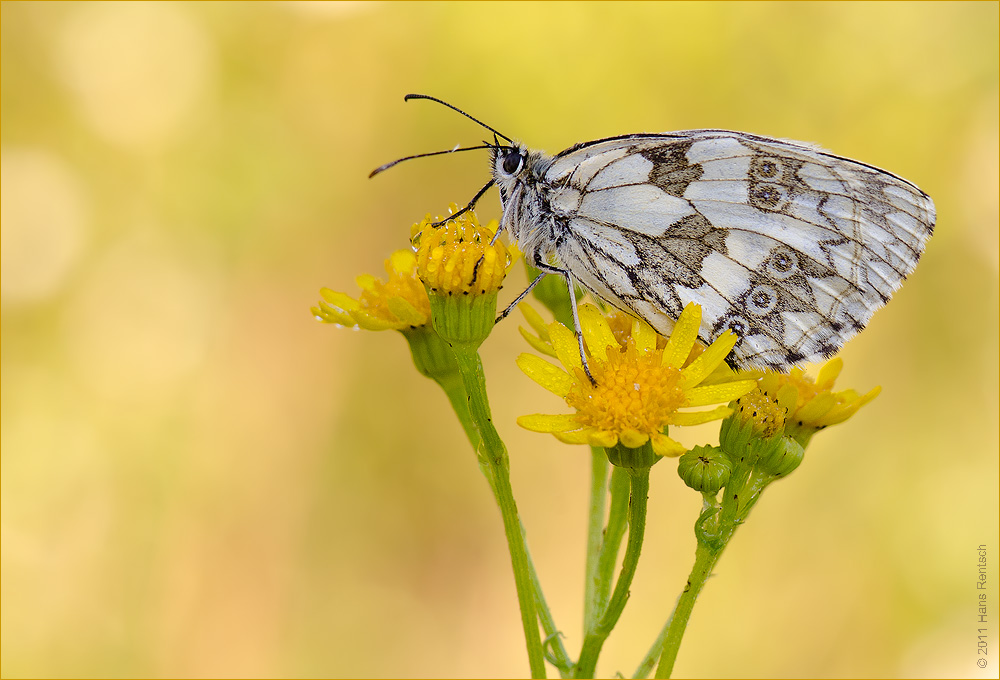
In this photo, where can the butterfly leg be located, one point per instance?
(547, 269)
(524, 294)
(576, 325)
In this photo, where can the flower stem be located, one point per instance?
(592, 602)
(613, 534)
(451, 382)
(704, 561)
(492, 448)
(713, 530)
(454, 389)
(595, 637)
(648, 662)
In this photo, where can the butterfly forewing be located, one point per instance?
(790, 247)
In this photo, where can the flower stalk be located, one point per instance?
(462, 272)
(599, 631)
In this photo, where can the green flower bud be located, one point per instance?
(705, 469)
(735, 437)
(781, 458)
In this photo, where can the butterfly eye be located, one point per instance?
(512, 161)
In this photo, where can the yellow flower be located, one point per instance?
(639, 387)
(765, 413)
(399, 303)
(458, 257)
(816, 405)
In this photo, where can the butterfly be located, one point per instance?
(787, 245)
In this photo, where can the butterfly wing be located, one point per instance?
(791, 247)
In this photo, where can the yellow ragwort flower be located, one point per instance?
(763, 412)
(458, 257)
(816, 405)
(399, 303)
(639, 387)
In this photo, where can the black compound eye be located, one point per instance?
(512, 161)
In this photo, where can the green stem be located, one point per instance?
(558, 656)
(596, 636)
(706, 537)
(613, 535)
(492, 447)
(713, 529)
(592, 602)
(704, 561)
(454, 389)
(648, 662)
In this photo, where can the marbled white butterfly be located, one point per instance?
(791, 247)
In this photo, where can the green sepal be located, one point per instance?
(432, 356)
(463, 319)
(637, 458)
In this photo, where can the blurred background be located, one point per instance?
(198, 479)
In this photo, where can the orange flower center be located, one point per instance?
(633, 391)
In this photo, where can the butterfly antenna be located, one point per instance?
(385, 167)
(458, 110)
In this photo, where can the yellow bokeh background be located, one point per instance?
(200, 480)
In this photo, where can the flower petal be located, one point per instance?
(402, 261)
(341, 300)
(596, 331)
(588, 435)
(535, 320)
(849, 406)
(871, 394)
(817, 407)
(601, 438)
(366, 281)
(665, 446)
(828, 374)
(632, 438)
(708, 360)
(644, 335)
(719, 393)
(683, 336)
(405, 312)
(699, 417)
(552, 378)
(373, 323)
(537, 343)
(787, 396)
(565, 344)
(539, 422)
(328, 314)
